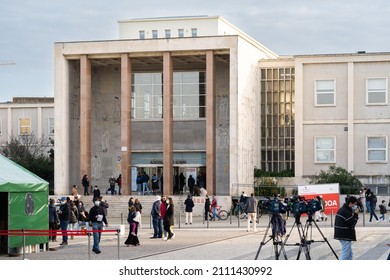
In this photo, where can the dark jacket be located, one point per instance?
(344, 226)
(189, 203)
(250, 205)
(207, 204)
(64, 214)
(53, 217)
(156, 209)
(94, 212)
(169, 218)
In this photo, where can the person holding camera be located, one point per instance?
(344, 228)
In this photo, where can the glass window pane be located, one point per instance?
(325, 85)
(377, 155)
(377, 97)
(325, 99)
(327, 156)
(376, 84)
(377, 142)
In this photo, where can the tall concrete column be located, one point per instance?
(126, 123)
(210, 123)
(85, 116)
(168, 123)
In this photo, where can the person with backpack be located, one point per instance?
(382, 211)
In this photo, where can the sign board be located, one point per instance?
(330, 194)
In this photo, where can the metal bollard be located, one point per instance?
(89, 245)
(179, 219)
(117, 233)
(331, 219)
(121, 218)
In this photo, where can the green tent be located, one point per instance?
(26, 196)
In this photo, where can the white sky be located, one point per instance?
(28, 29)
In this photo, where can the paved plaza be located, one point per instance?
(222, 240)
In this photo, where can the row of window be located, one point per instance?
(376, 92)
(376, 149)
(168, 33)
(189, 95)
(24, 126)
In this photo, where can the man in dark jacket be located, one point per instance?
(156, 217)
(64, 216)
(97, 217)
(251, 210)
(344, 228)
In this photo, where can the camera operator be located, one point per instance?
(344, 228)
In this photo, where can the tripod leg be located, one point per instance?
(326, 240)
(262, 242)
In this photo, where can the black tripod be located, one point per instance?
(274, 220)
(305, 232)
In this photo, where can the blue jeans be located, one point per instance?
(96, 235)
(215, 214)
(157, 228)
(368, 206)
(372, 211)
(64, 226)
(145, 188)
(346, 250)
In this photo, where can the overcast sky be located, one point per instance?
(28, 29)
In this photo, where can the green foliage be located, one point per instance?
(262, 190)
(32, 153)
(347, 181)
(284, 173)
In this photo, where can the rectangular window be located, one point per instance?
(24, 126)
(147, 96)
(325, 92)
(155, 34)
(325, 149)
(376, 148)
(142, 34)
(51, 126)
(376, 91)
(194, 32)
(181, 33)
(167, 33)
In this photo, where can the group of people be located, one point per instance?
(162, 214)
(72, 215)
(112, 182)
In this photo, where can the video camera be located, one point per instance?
(273, 206)
(301, 206)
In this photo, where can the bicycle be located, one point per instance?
(238, 211)
(223, 214)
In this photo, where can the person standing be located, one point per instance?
(382, 211)
(64, 216)
(119, 182)
(207, 206)
(132, 238)
(163, 210)
(53, 220)
(169, 220)
(182, 182)
(97, 217)
(156, 218)
(73, 221)
(139, 183)
(96, 193)
(85, 183)
(154, 184)
(145, 183)
(250, 209)
(189, 205)
(191, 184)
(344, 228)
(214, 207)
(104, 205)
(112, 181)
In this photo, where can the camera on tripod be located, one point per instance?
(301, 206)
(274, 206)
